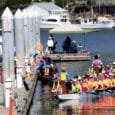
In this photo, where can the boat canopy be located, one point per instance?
(69, 28)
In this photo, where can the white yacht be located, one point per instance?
(53, 21)
(56, 15)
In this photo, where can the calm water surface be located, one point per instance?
(102, 43)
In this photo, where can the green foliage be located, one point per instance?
(16, 2)
(61, 3)
(81, 8)
(91, 3)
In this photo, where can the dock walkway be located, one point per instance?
(70, 56)
(22, 103)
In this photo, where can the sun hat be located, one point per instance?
(79, 78)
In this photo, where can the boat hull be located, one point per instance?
(68, 97)
(83, 95)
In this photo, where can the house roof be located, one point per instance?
(48, 6)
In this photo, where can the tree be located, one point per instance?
(16, 2)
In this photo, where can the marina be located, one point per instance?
(104, 104)
(23, 93)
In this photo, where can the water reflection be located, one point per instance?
(76, 67)
(101, 106)
(89, 104)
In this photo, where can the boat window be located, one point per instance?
(63, 20)
(51, 20)
(90, 20)
(85, 21)
(0, 32)
(78, 21)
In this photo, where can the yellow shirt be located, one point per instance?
(95, 84)
(106, 83)
(100, 84)
(113, 82)
(90, 84)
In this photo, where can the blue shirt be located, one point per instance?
(68, 77)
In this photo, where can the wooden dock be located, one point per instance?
(71, 57)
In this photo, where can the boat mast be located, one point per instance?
(91, 9)
(53, 1)
(99, 6)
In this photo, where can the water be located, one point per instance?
(97, 43)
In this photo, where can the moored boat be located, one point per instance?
(99, 23)
(53, 21)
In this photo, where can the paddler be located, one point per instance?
(106, 82)
(90, 82)
(94, 80)
(112, 70)
(84, 85)
(76, 86)
(100, 84)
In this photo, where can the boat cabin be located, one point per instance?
(81, 20)
(54, 19)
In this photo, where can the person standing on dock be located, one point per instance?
(55, 42)
(50, 44)
(67, 44)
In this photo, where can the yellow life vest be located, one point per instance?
(47, 71)
(113, 71)
(63, 77)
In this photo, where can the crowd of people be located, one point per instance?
(99, 78)
(47, 67)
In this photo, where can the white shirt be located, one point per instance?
(50, 43)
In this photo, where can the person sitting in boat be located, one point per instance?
(85, 87)
(100, 85)
(76, 86)
(113, 81)
(47, 59)
(90, 82)
(112, 69)
(54, 71)
(65, 80)
(107, 69)
(40, 66)
(97, 64)
(47, 65)
(107, 82)
(67, 44)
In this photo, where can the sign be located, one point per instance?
(7, 25)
